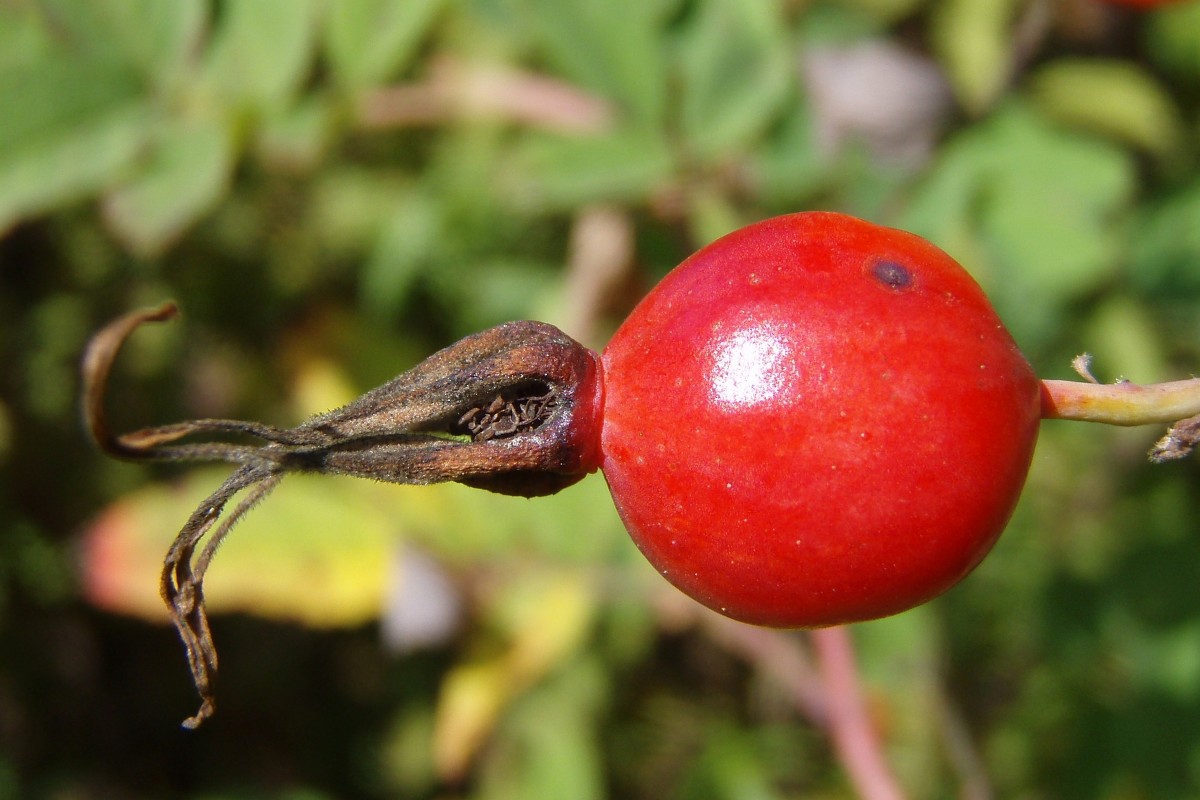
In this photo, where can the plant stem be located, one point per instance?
(1121, 403)
(854, 735)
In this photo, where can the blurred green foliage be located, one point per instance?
(333, 189)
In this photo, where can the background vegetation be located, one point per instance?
(333, 189)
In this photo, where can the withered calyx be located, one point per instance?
(514, 409)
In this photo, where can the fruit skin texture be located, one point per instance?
(816, 420)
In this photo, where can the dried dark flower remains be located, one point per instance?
(505, 410)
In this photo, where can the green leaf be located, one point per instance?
(1029, 209)
(1163, 660)
(1165, 249)
(899, 657)
(52, 96)
(552, 172)
(404, 247)
(500, 288)
(735, 72)
(972, 40)
(551, 749)
(711, 215)
(350, 205)
(611, 47)
(1123, 335)
(790, 167)
(261, 51)
(295, 138)
(885, 11)
(368, 41)
(187, 174)
(1113, 98)
(1173, 38)
(23, 36)
(730, 767)
(1050, 217)
(463, 524)
(70, 127)
(156, 39)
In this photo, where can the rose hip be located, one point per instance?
(816, 420)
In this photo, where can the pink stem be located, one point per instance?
(854, 737)
(1121, 403)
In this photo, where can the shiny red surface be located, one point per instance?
(816, 420)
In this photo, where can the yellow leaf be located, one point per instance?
(318, 555)
(472, 698)
(557, 613)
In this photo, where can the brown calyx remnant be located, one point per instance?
(507, 416)
(514, 409)
(1179, 441)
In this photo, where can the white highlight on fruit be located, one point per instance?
(749, 366)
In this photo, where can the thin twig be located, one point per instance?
(601, 254)
(961, 751)
(458, 90)
(854, 736)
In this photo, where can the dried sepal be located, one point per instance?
(1179, 441)
(513, 409)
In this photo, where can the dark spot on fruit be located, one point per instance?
(892, 275)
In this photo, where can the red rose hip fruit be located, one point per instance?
(816, 420)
